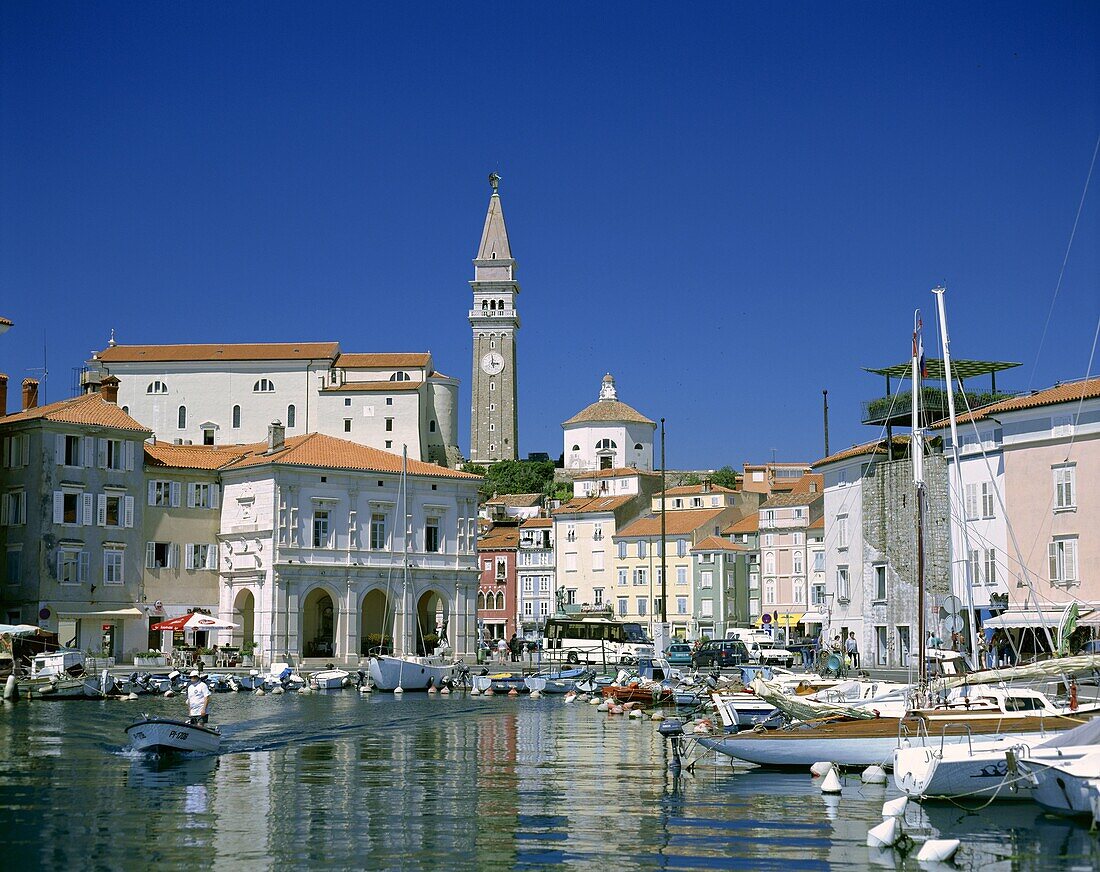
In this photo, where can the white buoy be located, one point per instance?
(884, 835)
(132, 696)
(636, 713)
(535, 694)
(895, 807)
(569, 697)
(657, 716)
(873, 775)
(938, 850)
(169, 692)
(260, 691)
(445, 690)
(830, 783)
(603, 706)
(595, 701)
(398, 690)
(364, 688)
(817, 770)
(278, 689)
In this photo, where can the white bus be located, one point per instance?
(595, 638)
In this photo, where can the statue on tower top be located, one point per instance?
(607, 388)
(494, 181)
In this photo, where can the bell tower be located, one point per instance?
(494, 320)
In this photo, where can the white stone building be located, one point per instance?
(608, 434)
(228, 394)
(313, 549)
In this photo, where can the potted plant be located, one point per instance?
(150, 658)
(248, 650)
(207, 656)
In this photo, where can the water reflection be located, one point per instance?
(338, 781)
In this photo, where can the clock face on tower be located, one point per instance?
(492, 363)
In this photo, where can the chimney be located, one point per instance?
(3, 394)
(706, 485)
(30, 393)
(108, 389)
(276, 432)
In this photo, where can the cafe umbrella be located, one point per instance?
(194, 621)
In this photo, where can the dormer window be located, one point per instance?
(264, 386)
(157, 387)
(400, 376)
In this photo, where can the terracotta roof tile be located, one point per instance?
(328, 452)
(782, 501)
(748, 524)
(1069, 392)
(499, 539)
(609, 410)
(378, 360)
(518, 501)
(89, 409)
(581, 505)
(877, 447)
(819, 524)
(613, 473)
(165, 454)
(372, 387)
(717, 543)
(246, 351)
(676, 523)
(537, 522)
(810, 483)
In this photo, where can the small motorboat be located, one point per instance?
(282, 675)
(169, 736)
(500, 682)
(330, 679)
(557, 681)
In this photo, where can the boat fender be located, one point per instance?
(873, 775)
(636, 713)
(602, 707)
(1073, 696)
(938, 850)
(132, 696)
(830, 783)
(657, 716)
(444, 690)
(475, 692)
(169, 692)
(398, 691)
(260, 692)
(513, 692)
(535, 694)
(11, 689)
(595, 700)
(885, 834)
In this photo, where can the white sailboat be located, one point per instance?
(402, 671)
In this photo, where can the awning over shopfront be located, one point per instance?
(1029, 619)
(814, 618)
(783, 619)
(91, 611)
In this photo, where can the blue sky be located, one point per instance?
(729, 206)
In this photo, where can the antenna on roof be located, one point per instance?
(43, 370)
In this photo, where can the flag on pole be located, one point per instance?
(918, 346)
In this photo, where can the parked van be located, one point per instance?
(761, 647)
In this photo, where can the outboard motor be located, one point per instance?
(673, 730)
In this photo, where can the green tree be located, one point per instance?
(725, 477)
(514, 477)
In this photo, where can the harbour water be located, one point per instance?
(338, 781)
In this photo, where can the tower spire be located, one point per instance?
(494, 236)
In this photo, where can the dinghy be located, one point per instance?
(169, 736)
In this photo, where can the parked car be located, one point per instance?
(720, 653)
(678, 654)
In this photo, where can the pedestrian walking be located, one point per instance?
(852, 649)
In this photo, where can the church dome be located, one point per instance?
(608, 408)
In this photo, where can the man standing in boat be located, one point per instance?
(198, 699)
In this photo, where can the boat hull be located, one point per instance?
(414, 673)
(330, 679)
(649, 695)
(556, 682)
(166, 736)
(1067, 787)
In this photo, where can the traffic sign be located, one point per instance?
(952, 605)
(954, 624)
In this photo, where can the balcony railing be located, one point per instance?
(897, 408)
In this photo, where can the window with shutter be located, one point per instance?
(82, 567)
(174, 493)
(58, 506)
(89, 513)
(189, 556)
(174, 556)
(150, 555)
(971, 501)
(101, 510)
(192, 488)
(88, 451)
(128, 512)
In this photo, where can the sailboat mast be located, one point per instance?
(967, 568)
(916, 456)
(404, 548)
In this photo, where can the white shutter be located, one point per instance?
(5, 499)
(189, 556)
(88, 451)
(60, 442)
(101, 510)
(174, 556)
(129, 452)
(22, 507)
(152, 493)
(150, 555)
(82, 567)
(191, 488)
(212, 556)
(1070, 546)
(215, 495)
(102, 445)
(128, 512)
(88, 519)
(1052, 556)
(59, 561)
(174, 499)
(26, 459)
(58, 506)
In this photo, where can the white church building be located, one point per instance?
(608, 434)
